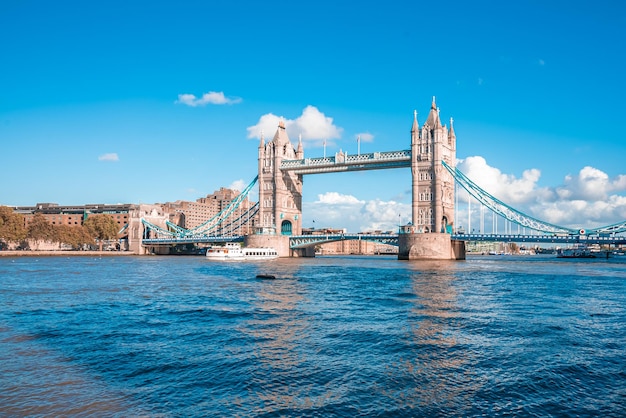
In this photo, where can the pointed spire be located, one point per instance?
(262, 143)
(433, 120)
(415, 124)
(451, 133)
(281, 134)
(300, 151)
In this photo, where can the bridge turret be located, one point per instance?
(414, 128)
(415, 149)
(300, 151)
(432, 207)
(451, 134)
(280, 193)
(433, 191)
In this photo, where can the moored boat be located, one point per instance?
(235, 252)
(577, 251)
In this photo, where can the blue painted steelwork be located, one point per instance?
(302, 241)
(210, 226)
(381, 160)
(155, 229)
(520, 218)
(543, 238)
(344, 162)
(204, 239)
(609, 229)
(502, 208)
(232, 225)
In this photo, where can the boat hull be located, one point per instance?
(578, 251)
(234, 252)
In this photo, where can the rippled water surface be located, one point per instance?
(330, 336)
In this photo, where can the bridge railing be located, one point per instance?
(345, 159)
(300, 241)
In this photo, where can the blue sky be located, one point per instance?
(144, 102)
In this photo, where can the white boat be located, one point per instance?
(577, 251)
(235, 252)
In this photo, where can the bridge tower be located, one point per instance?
(432, 184)
(428, 235)
(280, 193)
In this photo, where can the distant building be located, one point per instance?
(356, 247)
(57, 214)
(190, 215)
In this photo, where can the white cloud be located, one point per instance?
(212, 97)
(238, 185)
(365, 137)
(586, 200)
(112, 156)
(334, 198)
(312, 124)
(385, 216)
(335, 210)
(505, 187)
(591, 184)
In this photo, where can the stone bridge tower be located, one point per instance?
(428, 236)
(433, 185)
(280, 193)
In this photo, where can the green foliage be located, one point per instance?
(11, 225)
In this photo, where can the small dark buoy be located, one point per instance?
(265, 276)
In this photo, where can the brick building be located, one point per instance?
(57, 214)
(192, 214)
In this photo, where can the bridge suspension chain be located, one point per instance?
(161, 232)
(609, 229)
(212, 223)
(228, 228)
(502, 208)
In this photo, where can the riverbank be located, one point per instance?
(60, 253)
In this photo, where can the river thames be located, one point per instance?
(330, 336)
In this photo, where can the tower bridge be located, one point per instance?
(282, 166)
(429, 235)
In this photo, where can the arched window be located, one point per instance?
(285, 228)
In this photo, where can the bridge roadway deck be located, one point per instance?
(301, 241)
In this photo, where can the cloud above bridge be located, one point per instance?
(588, 199)
(336, 210)
(212, 97)
(364, 137)
(312, 124)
